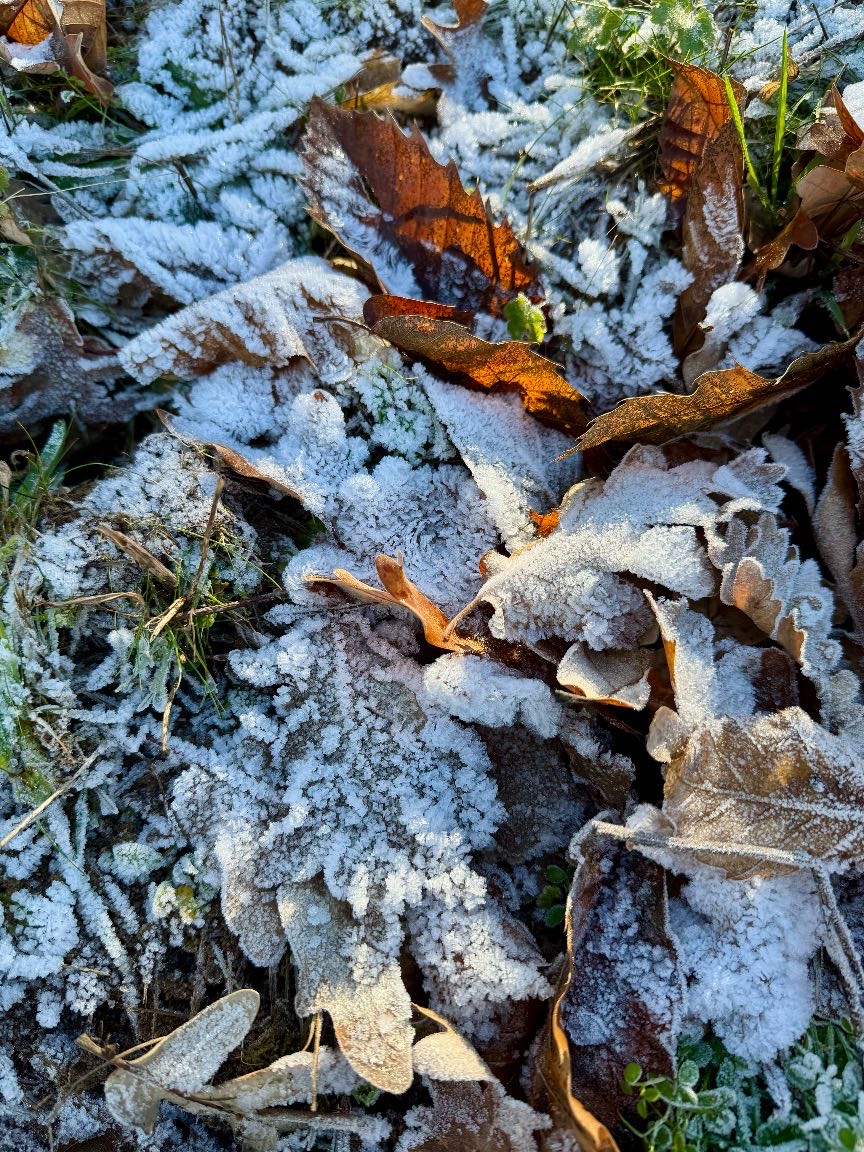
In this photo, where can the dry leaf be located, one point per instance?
(445, 1055)
(382, 306)
(832, 201)
(139, 555)
(800, 232)
(713, 233)
(618, 678)
(78, 41)
(183, 1062)
(472, 1117)
(371, 1020)
(718, 397)
(698, 109)
(406, 215)
(776, 781)
(399, 590)
(836, 532)
(509, 366)
(622, 999)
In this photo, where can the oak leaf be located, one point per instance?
(773, 781)
(409, 217)
(697, 111)
(717, 397)
(508, 366)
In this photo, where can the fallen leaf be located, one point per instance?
(698, 109)
(848, 123)
(508, 366)
(445, 1055)
(383, 306)
(399, 591)
(799, 232)
(409, 217)
(617, 678)
(836, 531)
(469, 14)
(472, 1117)
(713, 233)
(718, 397)
(832, 201)
(545, 522)
(139, 555)
(620, 999)
(371, 1020)
(183, 1061)
(76, 30)
(378, 86)
(776, 782)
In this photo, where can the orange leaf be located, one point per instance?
(800, 232)
(508, 366)
(406, 215)
(847, 121)
(399, 590)
(379, 307)
(697, 110)
(545, 522)
(717, 397)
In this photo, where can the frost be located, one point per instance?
(475, 689)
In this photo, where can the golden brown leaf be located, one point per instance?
(831, 199)
(836, 532)
(713, 233)
(408, 216)
(379, 307)
(399, 590)
(545, 522)
(510, 366)
(77, 34)
(847, 121)
(698, 108)
(718, 397)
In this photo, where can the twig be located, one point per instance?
(39, 809)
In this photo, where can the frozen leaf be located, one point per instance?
(183, 1062)
(287, 1080)
(776, 781)
(408, 216)
(718, 397)
(472, 1117)
(483, 691)
(445, 1055)
(713, 233)
(274, 319)
(398, 590)
(619, 678)
(45, 362)
(382, 306)
(371, 1017)
(621, 1000)
(697, 111)
(508, 366)
(831, 200)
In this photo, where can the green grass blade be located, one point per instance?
(752, 177)
(780, 123)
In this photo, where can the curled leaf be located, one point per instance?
(509, 366)
(697, 111)
(445, 1055)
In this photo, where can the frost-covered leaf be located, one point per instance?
(622, 998)
(483, 691)
(274, 319)
(183, 1062)
(445, 1055)
(371, 1015)
(509, 366)
(45, 362)
(836, 531)
(776, 781)
(697, 111)
(713, 233)
(423, 234)
(472, 1117)
(619, 678)
(287, 1080)
(716, 398)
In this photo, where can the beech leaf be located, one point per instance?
(409, 217)
(717, 397)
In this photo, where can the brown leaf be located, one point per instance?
(621, 999)
(382, 306)
(713, 233)
(77, 32)
(718, 397)
(836, 532)
(776, 781)
(137, 553)
(832, 201)
(847, 121)
(610, 677)
(545, 522)
(698, 109)
(509, 366)
(399, 590)
(800, 231)
(471, 1117)
(406, 215)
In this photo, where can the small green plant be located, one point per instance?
(719, 1103)
(524, 320)
(25, 483)
(553, 897)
